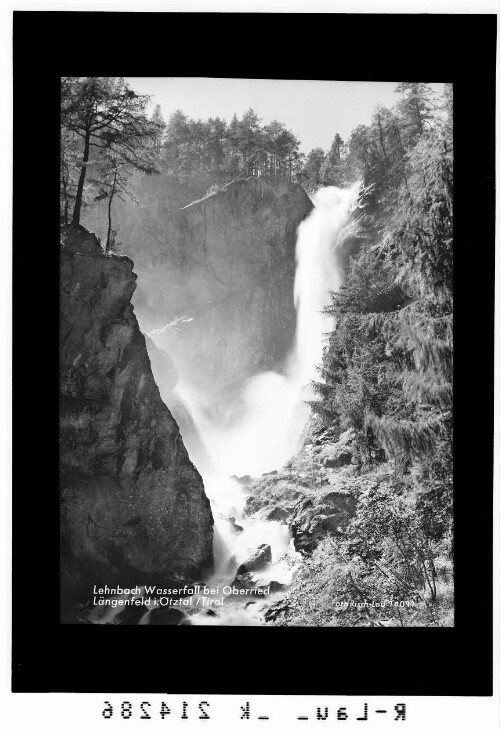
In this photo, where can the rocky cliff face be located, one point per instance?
(216, 278)
(131, 500)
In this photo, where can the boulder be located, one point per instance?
(245, 580)
(256, 560)
(131, 615)
(167, 616)
(272, 586)
(235, 527)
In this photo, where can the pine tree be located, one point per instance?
(106, 115)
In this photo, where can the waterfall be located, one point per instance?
(261, 431)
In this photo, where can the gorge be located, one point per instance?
(238, 419)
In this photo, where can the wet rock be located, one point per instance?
(256, 560)
(279, 608)
(167, 616)
(272, 586)
(131, 615)
(244, 580)
(235, 527)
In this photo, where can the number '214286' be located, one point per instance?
(145, 711)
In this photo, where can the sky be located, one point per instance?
(313, 110)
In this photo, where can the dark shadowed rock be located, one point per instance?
(343, 459)
(272, 586)
(244, 580)
(131, 500)
(167, 616)
(131, 615)
(338, 453)
(279, 608)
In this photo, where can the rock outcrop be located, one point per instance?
(319, 515)
(315, 494)
(132, 503)
(257, 559)
(216, 278)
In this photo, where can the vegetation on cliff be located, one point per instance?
(386, 375)
(109, 141)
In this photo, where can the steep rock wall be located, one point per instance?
(216, 278)
(131, 500)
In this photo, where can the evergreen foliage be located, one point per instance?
(387, 369)
(101, 118)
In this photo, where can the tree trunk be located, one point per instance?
(419, 117)
(381, 137)
(111, 195)
(402, 151)
(65, 196)
(79, 192)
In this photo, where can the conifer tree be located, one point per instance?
(106, 115)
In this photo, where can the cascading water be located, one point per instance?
(260, 432)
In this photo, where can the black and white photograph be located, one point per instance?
(256, 352)
(253, 278)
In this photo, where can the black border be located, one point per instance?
(48, 656)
